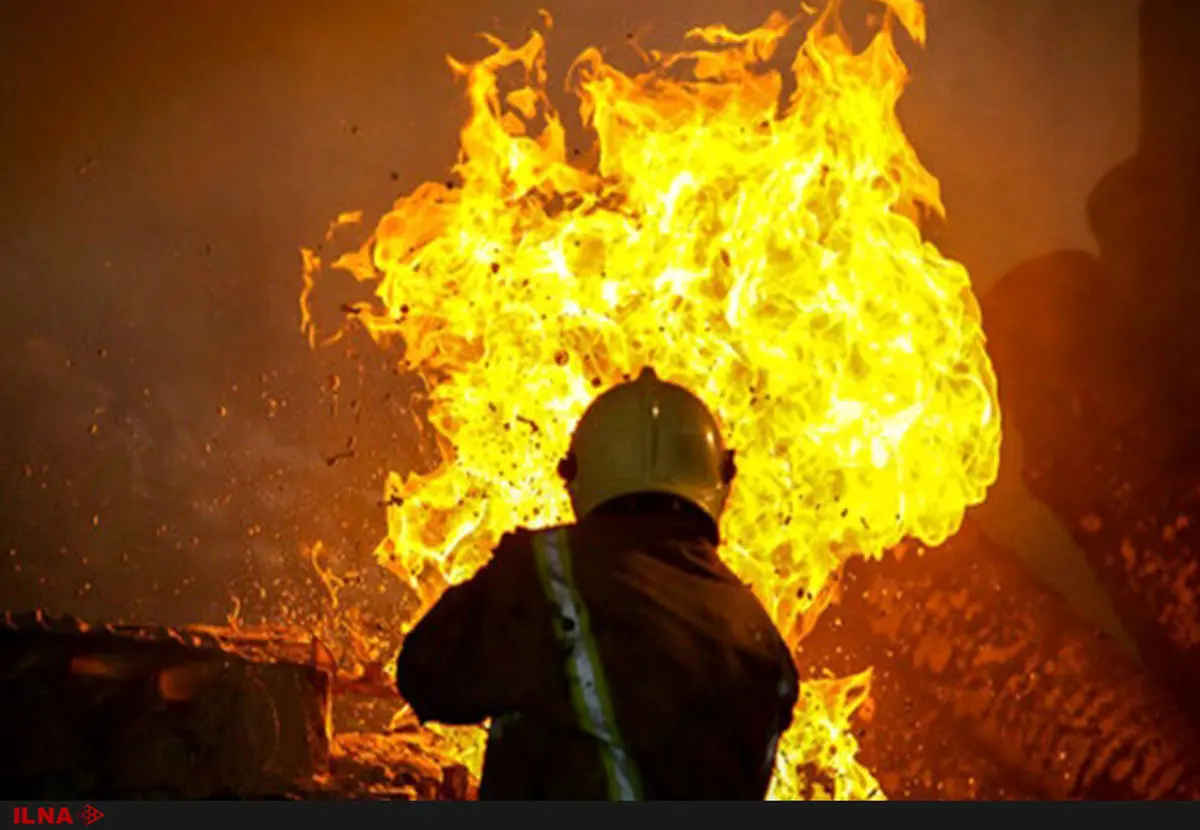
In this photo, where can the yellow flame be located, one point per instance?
(756, 246)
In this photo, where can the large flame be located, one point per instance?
(757, 246)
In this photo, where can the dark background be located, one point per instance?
(170, 441)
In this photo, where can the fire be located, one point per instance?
(760, 247)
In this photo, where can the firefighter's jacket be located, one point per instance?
(617, 659)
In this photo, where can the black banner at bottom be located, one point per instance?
(297, 815)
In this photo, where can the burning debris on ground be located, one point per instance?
(919, 750)
(1152, 562)
(121, 711)
(1048, 706)
(394, 765)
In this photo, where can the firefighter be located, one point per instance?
(617, 658)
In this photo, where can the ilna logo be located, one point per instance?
(87, 816)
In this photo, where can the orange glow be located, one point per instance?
(758, 248)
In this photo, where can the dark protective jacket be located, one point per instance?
(618, 659)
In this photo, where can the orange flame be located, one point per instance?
(758, 248)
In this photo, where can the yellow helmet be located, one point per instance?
(648, 436)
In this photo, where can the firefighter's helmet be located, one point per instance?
(648, 436)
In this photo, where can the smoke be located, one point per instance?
(169, 439)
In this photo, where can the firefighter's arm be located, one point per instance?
(446, 670)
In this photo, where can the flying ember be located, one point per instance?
(751, 234)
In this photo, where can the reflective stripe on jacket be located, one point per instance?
(584, 667)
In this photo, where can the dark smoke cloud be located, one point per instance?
(168, 437)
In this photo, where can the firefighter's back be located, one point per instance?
(668, 680)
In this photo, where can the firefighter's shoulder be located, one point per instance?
(518, 547)
(512, 544)
(519, 542)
